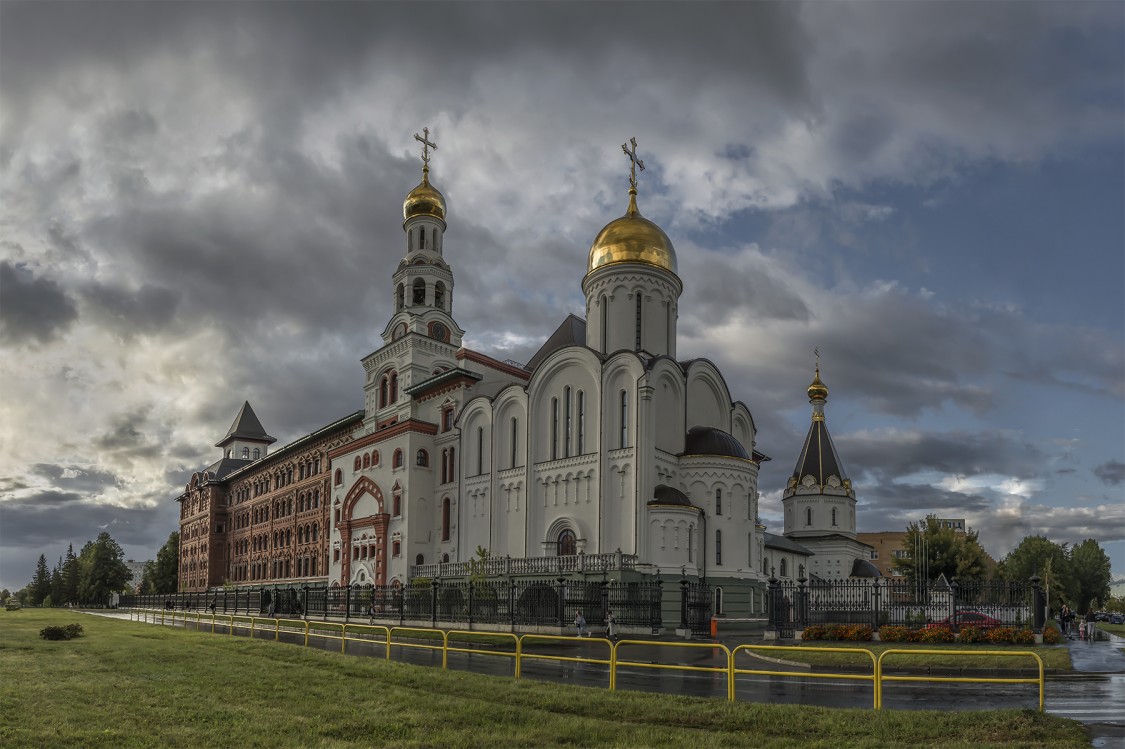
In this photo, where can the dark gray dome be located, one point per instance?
(864, 568)
(667, 495)
(711, 441)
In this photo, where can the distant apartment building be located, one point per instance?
(888, 545)
(136, 574)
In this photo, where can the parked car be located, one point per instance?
(1117, 618)
(968, 619)
(1101, 616)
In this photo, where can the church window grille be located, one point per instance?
(784, 567)
(637, 336)
(581, 422)
(567, 416)
(808, 516)
(439, 295)
(567, 544)
(718, 501)
(423, 459)
(397, 459)
(718, 547)
(480, 450)
(445, 519)
(419, 292)
(515, 431)
(624, 419)
(246, 453)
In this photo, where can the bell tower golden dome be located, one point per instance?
(425, 199)
(632, 238)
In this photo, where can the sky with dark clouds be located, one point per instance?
(201, 204)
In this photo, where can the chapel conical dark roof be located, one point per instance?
(819, 458)
(246, 427)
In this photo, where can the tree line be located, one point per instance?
(92, 576)
(1077, 575)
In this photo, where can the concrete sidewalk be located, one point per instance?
(1098, 657)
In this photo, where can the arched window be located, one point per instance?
(315, 533)
(581, 423)
(257, 453)
(357, 463)
(396, 504)
(444, 466)
(624, 419)
(567, 416)
(445, 559)
(339, 477)
(567, 544)
(396, 461)
(433, 239)
(554, 428)
(439, 295)
(419, 560)
(514, 436)
(808, 516)
(445, 519)
(718, 601)
(718, 501)
(400, 297)
(447, 419)
(382, 392)
(453, 464)
(784, 567)
(718, 547)
(691, 543)
(366, 460)
(419, 292)
(833, 516)
(637, 337)
(480, 450)
(396, 547)
(374, 457)
(246, 453)
(422, 458)
(394, 387)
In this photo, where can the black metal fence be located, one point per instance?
(518, 603)
(889, 601)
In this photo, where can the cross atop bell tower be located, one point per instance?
(427, 144)
(635, 162)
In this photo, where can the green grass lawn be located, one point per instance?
(1117, 629)
(129, 684)
(1054, 656)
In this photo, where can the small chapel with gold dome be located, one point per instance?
(605, 454)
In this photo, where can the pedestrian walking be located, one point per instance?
(610, 626)
(1089, 624)
(580, 624)
(1064, 620)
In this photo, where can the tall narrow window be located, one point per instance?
(394, 387)
(581, 422)
(421, 239)
(383, 392)
(718, 547)
(444, 466)
(605, 324)
(624, 419)
(453, 464)
(257, 453)
(833, 516)
(567, 417)
(396, 505)
(567, 544)
(433, 240)
(637, 341)
(400, 297)
(439, 295)
(419, 289)
(718, 501)
(480, 450)
(691, 543)
(445, 519)
(808, 516)
(668, 327)
(784, 568)
(515, 434)
(554, 428)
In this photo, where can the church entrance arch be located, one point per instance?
(363, 514)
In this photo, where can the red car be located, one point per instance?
(968, 619)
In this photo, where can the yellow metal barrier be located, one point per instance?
(880, 678)
(523, 654)
(344, 635)
(501, 653)
(314, 631)
(727, 669)
(875, 694)
(443, 647)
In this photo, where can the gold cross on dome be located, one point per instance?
(817, 352)
(424, 139)
(635, 162)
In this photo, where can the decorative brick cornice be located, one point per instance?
(410, 425)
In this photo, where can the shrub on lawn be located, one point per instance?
(1051, 636)
(1002, 635)
(68, 632)
(1024, 636)
(934, 634)
(974, 634)
(848, 632)
(891, 633)
(814, 632)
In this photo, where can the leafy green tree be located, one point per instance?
(40, 586)
(1090, 574)
(103, 570)
(5, 595)
(931, 550)
(163, 575)
(1038, 555)
(57, 592)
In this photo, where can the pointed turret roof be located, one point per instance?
(246, 427)
(819, 458)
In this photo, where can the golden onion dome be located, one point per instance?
(424, 200)
(632, 239)
(818, 390)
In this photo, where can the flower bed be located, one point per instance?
(846, 632)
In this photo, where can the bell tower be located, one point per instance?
(423, 281)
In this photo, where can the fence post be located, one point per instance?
(511, 602)
(876, 600)
(605, 600)
(400, 594)
(1038, 607)
(470, 604)
(802, 603)
(772, 606)
(954, 588)
(683, 598)
(433, 601)
(562, 601)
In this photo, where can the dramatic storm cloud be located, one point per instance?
(201, 204)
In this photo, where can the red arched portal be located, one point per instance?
(377, 523)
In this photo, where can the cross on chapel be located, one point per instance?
(634, 162)
(424, 139)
